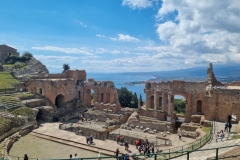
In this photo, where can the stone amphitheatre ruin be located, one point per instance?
(65, 96)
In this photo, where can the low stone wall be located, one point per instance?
(36, 103)
(21, 131)
(152, 113)
(14, 130)
(154, 126)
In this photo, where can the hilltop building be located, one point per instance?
(6, 51)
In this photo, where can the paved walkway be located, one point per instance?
(50, 131)
(201, 155)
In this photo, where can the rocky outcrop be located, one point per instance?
(28, 69)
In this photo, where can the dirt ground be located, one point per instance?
(37, 148)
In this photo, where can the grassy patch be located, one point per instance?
(26, 111)
(236, 137)
(24, 95)
(206, 129)
(7, 80)
(3, 120)
(7, 98)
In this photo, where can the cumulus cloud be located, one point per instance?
(133, 4)
(81, 50)
(201, 27)
(126, 38)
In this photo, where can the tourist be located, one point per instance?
(180, 136)
(226, 126)
(100, 155)
(137, 143)
(25, 157)
(118, 138)
(230, 126)
(121, 139)
(116, 153)
(70, 156)
(126, 145)
(87, 139)
(75, 156)
(153, 149)
(91, 139)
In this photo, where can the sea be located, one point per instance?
(120, 78)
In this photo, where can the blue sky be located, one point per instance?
(123, 35)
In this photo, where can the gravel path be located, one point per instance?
(39, 148)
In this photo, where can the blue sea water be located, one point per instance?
(120, 78)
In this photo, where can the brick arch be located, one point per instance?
(87, 96)
(60, 101)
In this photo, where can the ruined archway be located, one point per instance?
(59, 101)
(151, 102)
(199, 106)
(40, 90)
(102, 97)
(179, 104)
(160, 107)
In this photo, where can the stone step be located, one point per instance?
(72, 143)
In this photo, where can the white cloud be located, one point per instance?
(115, 52)
(133, 4)
(114, 39)
(204, 31)
(126, 38)
(100, 35)
(82, 24)
(101, 50)
(81, 50)
(63, 59)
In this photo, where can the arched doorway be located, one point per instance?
(102, 96)
(59, 101)
(160, 103)
(199, 106)
(40, 91)
(39, 115)
(179, 104)
(151, 102)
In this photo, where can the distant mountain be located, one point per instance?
(223, 73)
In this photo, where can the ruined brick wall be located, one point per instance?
(157, 94)
(222, 103)
(105, 95)
(151, 113)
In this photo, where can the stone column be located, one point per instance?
(155, 100)
(146, 102)
(169, 103)
(163, 100)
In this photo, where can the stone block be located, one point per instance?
(207, 123)
(196, 118)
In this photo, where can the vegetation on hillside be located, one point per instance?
(7, 80)
(26, 111)
(3, 122)
(24, 95)
(206, 129)
(24, 58)
(7, 98)
(127, 98)
(180, 106)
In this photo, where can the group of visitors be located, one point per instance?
(73, 157)
(120, 139)
(144, 145)
(89, 139)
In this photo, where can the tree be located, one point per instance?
(124, 96)
(65, 67)
(134, 101)
(26, 56)
(141, 101)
